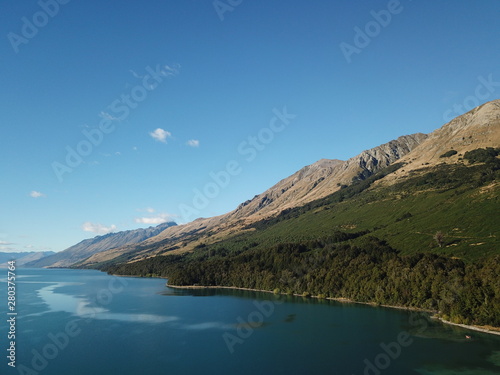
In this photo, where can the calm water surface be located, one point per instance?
(86, 322)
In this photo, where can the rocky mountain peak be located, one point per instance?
(370, 161)
(475, 129)
(485, 115)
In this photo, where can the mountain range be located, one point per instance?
(23, 257)
(88, 247)
(418, 153)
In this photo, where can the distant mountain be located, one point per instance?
(91, 246)
(23, 258)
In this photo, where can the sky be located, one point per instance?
(122, 115)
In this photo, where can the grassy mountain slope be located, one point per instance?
(408, 215)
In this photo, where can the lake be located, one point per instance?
(83, 322)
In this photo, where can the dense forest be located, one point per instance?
(289, 254)
(372, 272)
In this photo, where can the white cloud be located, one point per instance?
(160, 135)
(193, 143)
(158, 219)
(36, 194)
(97, 228)
(6, 243)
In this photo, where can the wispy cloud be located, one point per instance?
(160, 135)
(171, 70)
(97, 228)
(193, 143)
(107, 155)
(36, 194)
(8, 249)
(135, 74)
(6, 243)
(107, 116)
(147, 209)
(157, 219)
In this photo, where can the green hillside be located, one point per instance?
(461, 202)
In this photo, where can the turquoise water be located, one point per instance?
(86, 322)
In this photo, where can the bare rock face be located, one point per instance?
(371, 161)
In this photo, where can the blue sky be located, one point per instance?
(195, 106)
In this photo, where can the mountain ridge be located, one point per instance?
(88, 247)
(23, 257)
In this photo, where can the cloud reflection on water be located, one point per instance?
(85, 309)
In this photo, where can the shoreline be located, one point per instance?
(482, 329)
(337, 299)
(433, 314)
